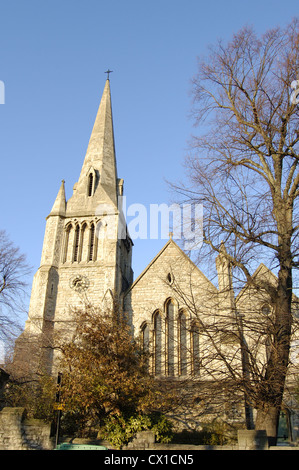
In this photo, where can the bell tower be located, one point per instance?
(84, 258)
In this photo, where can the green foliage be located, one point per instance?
(37, 397)
(215, 434)
(162, 428)
(105, 378)
(119, 429)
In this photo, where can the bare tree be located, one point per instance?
(243, 168)
(13, 273)
(227, 355)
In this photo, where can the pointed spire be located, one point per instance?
(59, 205)
(100, 154)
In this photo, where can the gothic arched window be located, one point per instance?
(66, 242)
(76, 243)
(82, 242)
(90, 184)
(182, 334)
(91, 242)
(170, 337)
(145, 337)
(195, 348)
(157, 343)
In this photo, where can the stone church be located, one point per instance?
(79, 260)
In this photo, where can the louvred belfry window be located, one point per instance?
(90, 184)
(76, 244)
(66, 242)
(91, 244)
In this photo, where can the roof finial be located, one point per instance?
(108, 73)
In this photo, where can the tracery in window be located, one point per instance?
(175, 342)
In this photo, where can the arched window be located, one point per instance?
(91, 243)
(82, 241)
(76, 243)
(170, 339)
(183, 357)
(195, 348)
(157, 344)
(101, 235)
(145, 337)
(90, 184)
(66, 242)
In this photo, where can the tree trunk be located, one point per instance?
(272, 388)
(268, 421)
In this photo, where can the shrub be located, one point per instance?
(119, 429)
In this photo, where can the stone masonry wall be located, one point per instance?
(18, 433)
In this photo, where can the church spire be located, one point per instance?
(100, 155)
(60, 202)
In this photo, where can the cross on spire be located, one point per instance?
(108, 73)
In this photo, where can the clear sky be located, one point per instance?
(53, 55)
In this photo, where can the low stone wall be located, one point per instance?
(252, 440)
(247, 440)
(145, 440)
(18, 433)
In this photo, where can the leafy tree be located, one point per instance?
(105, 378)
(36, 396)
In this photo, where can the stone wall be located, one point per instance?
(19, 433)
(247, 440)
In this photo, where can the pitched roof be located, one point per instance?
(169, 243)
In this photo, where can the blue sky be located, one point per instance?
(53, 56)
